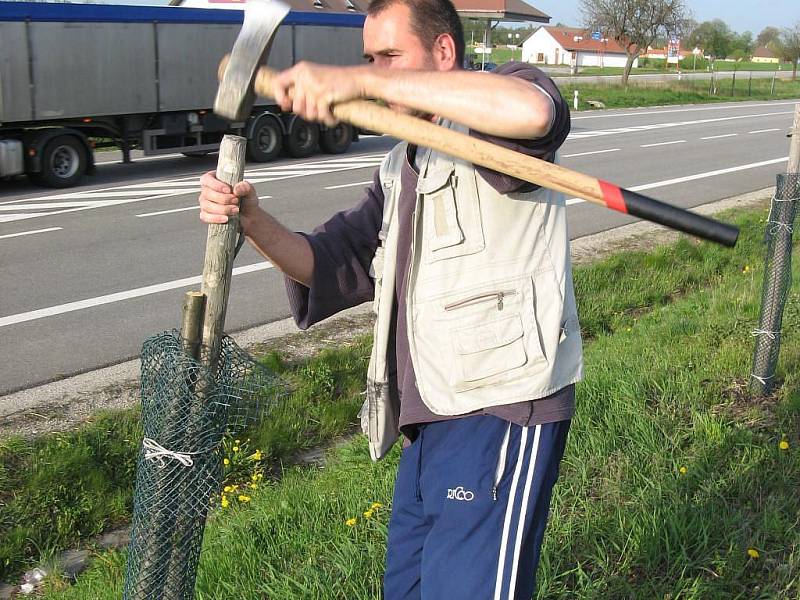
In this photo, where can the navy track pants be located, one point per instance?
(470, 507)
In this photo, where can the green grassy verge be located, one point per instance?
(685, 92)
(60, 489)
(674, 483)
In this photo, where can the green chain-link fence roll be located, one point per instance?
(777, 281)
(186, 411)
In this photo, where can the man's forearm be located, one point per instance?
(288, 251)
(497, 105)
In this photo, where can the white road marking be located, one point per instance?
(336, 187)
(264, 197)
(652, 126)
(764, 130)
(663, 144)
(678, 110)
(666, 182)
(717, 137)
(588, 153)
(119, 296)
(166, 212)
(32, 232)
(139, 192)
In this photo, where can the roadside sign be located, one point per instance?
(596, 35)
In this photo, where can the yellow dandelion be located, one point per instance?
(376, 505)
(628, 329)
(752, 553)
(253, 486)
(256, 455)
(254, 477)
(243, 498)
(368, 514)
(236, 448)
(237, 442)
(228, 489)
(783, 445)
(226, 462)
(225, 502)
(683, 470)
(350, 522)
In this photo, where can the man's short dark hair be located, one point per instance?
(430, 19)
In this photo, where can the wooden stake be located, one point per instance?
(193, 305)
(220, 247)
(794, 144)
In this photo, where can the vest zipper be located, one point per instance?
(481, 298)
(501, 462)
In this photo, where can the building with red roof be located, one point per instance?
(573, 46)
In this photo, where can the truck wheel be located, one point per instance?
(266, 141)
(336, 140)
(301, 141)
(63, 162)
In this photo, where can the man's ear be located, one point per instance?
(444, 53)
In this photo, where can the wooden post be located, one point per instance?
(193, 305)
(777, 272)
(217, 268)
(220, 247)
(794, 144)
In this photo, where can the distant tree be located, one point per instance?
(787, 47)
(634, 24)
(714, 37)
(743, 43)
(767, 36)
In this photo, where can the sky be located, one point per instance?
(740, 15)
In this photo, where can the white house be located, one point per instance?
(563, 45)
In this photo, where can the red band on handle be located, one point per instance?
(613, 196)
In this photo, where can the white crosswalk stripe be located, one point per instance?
(58, 203)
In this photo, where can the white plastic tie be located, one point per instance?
(778, 226)
(157, 452)
(762, 380)
(770, 334)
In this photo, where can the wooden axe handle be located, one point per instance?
(370, 116)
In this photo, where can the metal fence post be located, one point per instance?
(778, 269)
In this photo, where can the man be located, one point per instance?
(477, 345)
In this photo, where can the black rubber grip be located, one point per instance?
(679, 218)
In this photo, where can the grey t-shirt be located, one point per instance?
(343, 248)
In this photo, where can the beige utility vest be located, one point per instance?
(490, 305)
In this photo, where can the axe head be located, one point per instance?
(235, 96)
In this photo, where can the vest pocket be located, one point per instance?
(451, 218)
(494, 333)
(488, 349)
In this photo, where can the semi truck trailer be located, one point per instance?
(77, 78)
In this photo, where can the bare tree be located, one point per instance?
(634, 24)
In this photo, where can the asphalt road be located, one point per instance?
(89, 273)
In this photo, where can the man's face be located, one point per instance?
(390, 42)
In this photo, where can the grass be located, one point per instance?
(63, 488)
(685, 92)
(671, 475)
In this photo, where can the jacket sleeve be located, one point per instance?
(544, 147)
(343, 249)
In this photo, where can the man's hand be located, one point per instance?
(218, 201)
(310, 90)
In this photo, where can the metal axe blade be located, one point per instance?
(235, 96)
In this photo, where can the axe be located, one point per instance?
(241, 77)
